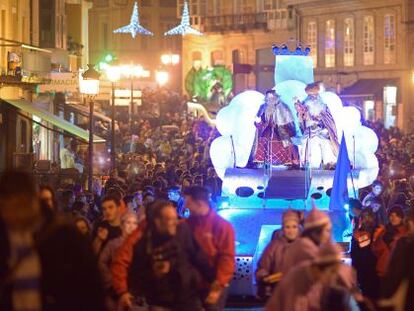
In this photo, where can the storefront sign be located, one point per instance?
(64, 82)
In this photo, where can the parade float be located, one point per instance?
(255, 196)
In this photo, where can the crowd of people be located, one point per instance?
(55, 260)
(149, 237)
(301, 270)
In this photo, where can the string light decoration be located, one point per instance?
(184, 28)
(134, 26)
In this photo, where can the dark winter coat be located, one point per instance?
(401, 268)
(69, 272)
(179, 288)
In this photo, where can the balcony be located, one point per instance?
(242, 22)
(23, 64)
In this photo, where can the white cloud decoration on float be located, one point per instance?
(235, 123)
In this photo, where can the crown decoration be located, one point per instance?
(284, 50)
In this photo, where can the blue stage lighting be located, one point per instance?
(224, 204)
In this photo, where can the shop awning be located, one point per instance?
(368, 88)
(55, 120)
(85, 112)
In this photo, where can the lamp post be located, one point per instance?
(170, 59)
(131, 72)
(113, 74)
(170, 62)
(89, 87)
(162, 77)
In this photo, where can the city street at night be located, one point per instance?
(206, 155)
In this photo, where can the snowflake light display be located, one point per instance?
(134, 26)
(184, 28)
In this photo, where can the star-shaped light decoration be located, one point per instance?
(185, 27)
(134, 26)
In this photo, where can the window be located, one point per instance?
(330, 44)
(102, 3)
(196, 8)
(349, 46)
(269, 5)
(217, 8)
(145, 22)
(197, 59)
(168, 3)
(368, 43)
(313, 41)
(196, 55)
(240, 6)
(121, 2)
(389, 39)
(105, 35)
(217, 58)
(23, 134)
(2, 34)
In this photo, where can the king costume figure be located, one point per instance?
(275, 130)
(319, 140)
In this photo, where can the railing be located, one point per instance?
(23, 63)
(240, 22)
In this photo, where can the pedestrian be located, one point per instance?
(129, 222)
(375, 201)
(363, 258)
(385, 238)
(83, 226)
(317, 231)
(110, 227)
(270, 265)
(306, 286)
(167, 263)
(398, 287)
(48, 197)
(216, 238)
(44, 265)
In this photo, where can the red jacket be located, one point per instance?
(382, 250)
(216, 238)
(123, 259)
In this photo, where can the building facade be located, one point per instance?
(34, 52)
(362, 49)
(237, 33)
(156, 15)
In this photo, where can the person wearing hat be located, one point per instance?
(275, 132)
(304, 287)
(270, 265)
(385, 238)
(318, 127)
(317, 231)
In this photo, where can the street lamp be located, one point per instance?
(162, 77)
(89, 87)
(113, 74)
(170, 59)
(131, 72)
